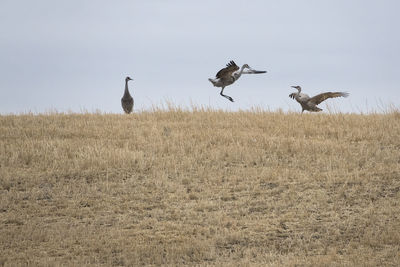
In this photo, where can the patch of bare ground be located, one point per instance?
(202, 187)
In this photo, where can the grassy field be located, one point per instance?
(202, 187)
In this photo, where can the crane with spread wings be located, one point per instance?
(230, 74)
(310, 103)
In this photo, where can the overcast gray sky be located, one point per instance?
(74, 55)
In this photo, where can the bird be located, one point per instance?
(230, 74)
(310, 103)
(127, 100)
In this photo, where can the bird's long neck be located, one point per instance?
(238, 74)
(126, 89)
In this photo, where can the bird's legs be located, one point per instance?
(226, 96)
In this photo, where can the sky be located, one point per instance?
(73, 56)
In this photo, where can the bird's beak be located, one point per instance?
(293, 86)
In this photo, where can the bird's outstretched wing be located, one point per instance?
(322, 97)
(231, 67)
(293, 95)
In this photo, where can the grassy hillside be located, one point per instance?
(202, 187)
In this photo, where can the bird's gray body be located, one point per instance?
(127, 100)
(310, 103)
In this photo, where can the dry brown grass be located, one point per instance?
(203, 187)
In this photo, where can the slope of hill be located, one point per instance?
(202, 187)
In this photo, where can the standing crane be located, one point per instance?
(310, 103)
(127, 100)
(230, 74)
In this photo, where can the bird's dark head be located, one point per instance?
(246, 66)
(297, 87)
(128, 78)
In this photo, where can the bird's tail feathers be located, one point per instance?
(212, 81)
